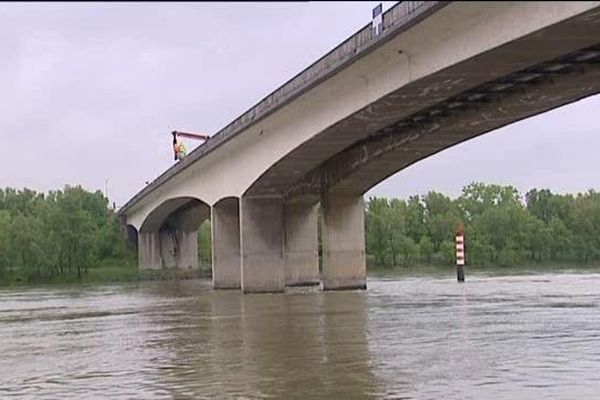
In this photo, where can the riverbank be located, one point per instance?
(113, 272)
(106, 272)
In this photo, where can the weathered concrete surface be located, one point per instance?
(149, 250)
(226, 268)
(436, 69)
(168, 208)
(169, 248)
(482, 109)
(188, 249)
(262, 244)
(178, 248)
(168, 237)
(301, 244)
(344, 258)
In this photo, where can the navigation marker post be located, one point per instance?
(460, 252)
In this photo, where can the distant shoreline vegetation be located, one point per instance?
(502, 228)
(71, 235)
(59, 236)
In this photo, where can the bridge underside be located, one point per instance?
(536, 73)
(168, 238)
(472, 113)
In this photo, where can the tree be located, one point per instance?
(425, 249)
(58, 233)
(441, 218)
(478, 197)
(204, 244)
(584, 222)
(545, 205)
(377, 229)
(415, 218)
(561, 240)
(6, 246)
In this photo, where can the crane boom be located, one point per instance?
(190, 135)
(178, 148)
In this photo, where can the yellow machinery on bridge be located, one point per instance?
(179, 148)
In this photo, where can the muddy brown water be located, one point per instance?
(517, 337)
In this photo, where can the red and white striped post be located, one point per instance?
(460, 253)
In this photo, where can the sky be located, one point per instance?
(90, 91)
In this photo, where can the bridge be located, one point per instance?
(435, 75)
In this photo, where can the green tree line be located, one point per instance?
(64, 232)
(67, 232)
(501, 227)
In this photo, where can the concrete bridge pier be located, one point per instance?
(178, 248)
(226, 268)
(149, 250)
(168, 248)
(301, 244)
(188, 249)
(262, 244)
(344, 259)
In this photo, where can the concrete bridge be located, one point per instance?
(439, 73)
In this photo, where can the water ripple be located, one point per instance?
(517, 337)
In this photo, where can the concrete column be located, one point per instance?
(226, 263)
(148, 250)
(188, 249)
(344, 261)
(301, 244)
(262, 243)
(178, 248)
(168, 248)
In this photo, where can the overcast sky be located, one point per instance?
(89, 93)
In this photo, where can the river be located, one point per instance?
(513, 337)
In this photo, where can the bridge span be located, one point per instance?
(439, 73)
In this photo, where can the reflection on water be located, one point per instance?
(427, 338)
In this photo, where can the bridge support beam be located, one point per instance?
(226, 268)
(262, 244)
(344, 260)
(148, 250)
(301, 244)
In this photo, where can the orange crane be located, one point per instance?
(179, 148)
